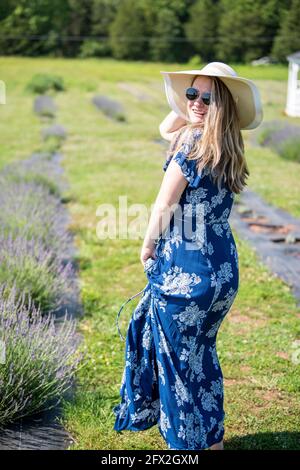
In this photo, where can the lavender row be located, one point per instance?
(283, 138)
(37, 279)
(40, 361)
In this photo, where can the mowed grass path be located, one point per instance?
(104, 160)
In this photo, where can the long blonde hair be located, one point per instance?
(221, 146)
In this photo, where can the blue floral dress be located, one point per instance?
(172, 375)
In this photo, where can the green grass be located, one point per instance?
(290, 150)
(103, 160)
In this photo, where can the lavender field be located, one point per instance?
(46, 212)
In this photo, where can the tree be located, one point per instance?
(23, 29)
(288, 39)
(163, 45)
(242, 30)
(6, 8)
(202, 27)
(165, 24)
(127, 32)
(103, 13)
(271, 13)
(78, 25)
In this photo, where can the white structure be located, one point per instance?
(293, 92)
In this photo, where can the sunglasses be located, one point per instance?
(192, 94)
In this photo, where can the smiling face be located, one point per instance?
(196, 109)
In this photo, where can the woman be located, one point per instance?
(172, 375)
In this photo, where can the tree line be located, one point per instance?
(154, 30)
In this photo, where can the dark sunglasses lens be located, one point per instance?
(206, 98)
(191, 93)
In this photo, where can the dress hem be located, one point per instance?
(147, 426)
(175, 447)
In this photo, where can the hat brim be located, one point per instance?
(244, 92)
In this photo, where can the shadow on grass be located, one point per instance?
(284, 440)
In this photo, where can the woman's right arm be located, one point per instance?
(170, 124)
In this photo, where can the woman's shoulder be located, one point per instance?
(181, 155)
(183, 142)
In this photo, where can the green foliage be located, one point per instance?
(41, 83)
(52, 144)
(29, 275)
(127, 32)
(290, 150)
(165, 20)
(195, 61)
(94, 48)
(247, 28)
(166, 27)
(31, 18)
(264, 135)
(239, 31)
(202, 32)
(271, 14)
(6, 7)
(102, 15)
(160, 30)
(288, 39)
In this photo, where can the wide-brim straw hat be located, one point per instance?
(244, 92)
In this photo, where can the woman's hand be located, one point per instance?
(146, 253)
(173, 184)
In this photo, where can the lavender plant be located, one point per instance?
(40, 357)
(41, 168)
(44, 106)
(109, 107)
(29, 209)
(35, 270)
(283, 138)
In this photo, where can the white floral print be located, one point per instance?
(178, 282)
(172, 372)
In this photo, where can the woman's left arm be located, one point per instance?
(171, 189)
(170, 125)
